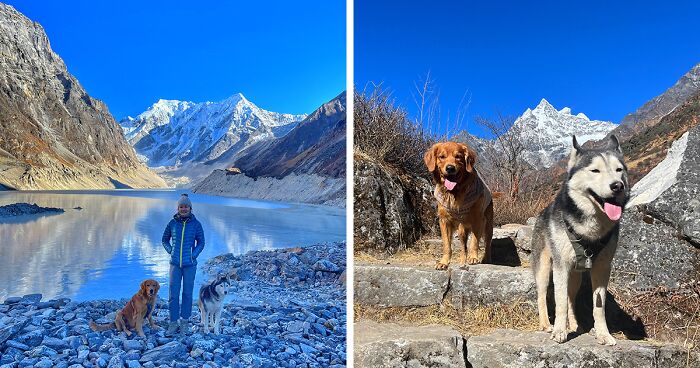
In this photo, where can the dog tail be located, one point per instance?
(95, 327)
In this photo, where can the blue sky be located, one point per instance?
(283, 56)
(602, 58)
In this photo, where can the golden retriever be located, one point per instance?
(464, 201)
(135, 311)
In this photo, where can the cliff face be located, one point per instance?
(53, 135)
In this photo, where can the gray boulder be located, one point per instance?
(392, 345)
(392, 211)
(399, 286)
(9, 331)
(660, 233)
(511, 244)
(514, 349)
(165, 354)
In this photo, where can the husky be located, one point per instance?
(579, 232)
(211, 302)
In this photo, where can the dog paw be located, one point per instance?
(573, 326)
(559, 335)
(605, 339)
(473, 260)
(546, 328)
(441, 266)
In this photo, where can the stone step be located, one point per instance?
(510, 348)
(394, 345)
(408, 286)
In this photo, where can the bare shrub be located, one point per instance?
(384, 132)
(504, 155)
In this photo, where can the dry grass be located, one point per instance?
(473, 321)
(507, 210)
(425, 253)
(667, 315)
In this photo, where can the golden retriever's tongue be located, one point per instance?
(449, 184)
(614, 212)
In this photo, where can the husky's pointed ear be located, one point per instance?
(575, 150)
(577, 147)
(614, 144)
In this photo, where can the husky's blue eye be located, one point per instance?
(595, 170)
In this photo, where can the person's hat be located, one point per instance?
(184, 199)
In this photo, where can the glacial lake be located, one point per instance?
(105, 249)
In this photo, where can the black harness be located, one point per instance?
(586, 250)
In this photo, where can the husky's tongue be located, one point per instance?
(614, 212)
(449, 184)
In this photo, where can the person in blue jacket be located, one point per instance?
(183, 239)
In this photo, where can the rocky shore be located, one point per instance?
(286, 310)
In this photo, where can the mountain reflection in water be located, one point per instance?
(109, 246)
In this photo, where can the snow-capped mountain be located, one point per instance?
(546, 132)
(173, 134)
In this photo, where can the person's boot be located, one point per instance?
(172, 328)
(184, 326)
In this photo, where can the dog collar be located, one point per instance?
(586, 250)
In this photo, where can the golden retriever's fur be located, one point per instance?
(467, 207)
(136, 310)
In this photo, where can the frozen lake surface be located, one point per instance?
(105, 249)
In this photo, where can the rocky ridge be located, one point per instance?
(655, 109)
(53, 135)
(287, 310)
(315, 146)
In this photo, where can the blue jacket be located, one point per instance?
(184, 232)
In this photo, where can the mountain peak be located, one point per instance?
(546, 132)
(236, 98)
(544, 105)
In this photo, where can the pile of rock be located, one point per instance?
(264, 324)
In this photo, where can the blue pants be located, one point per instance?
(177, 275)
